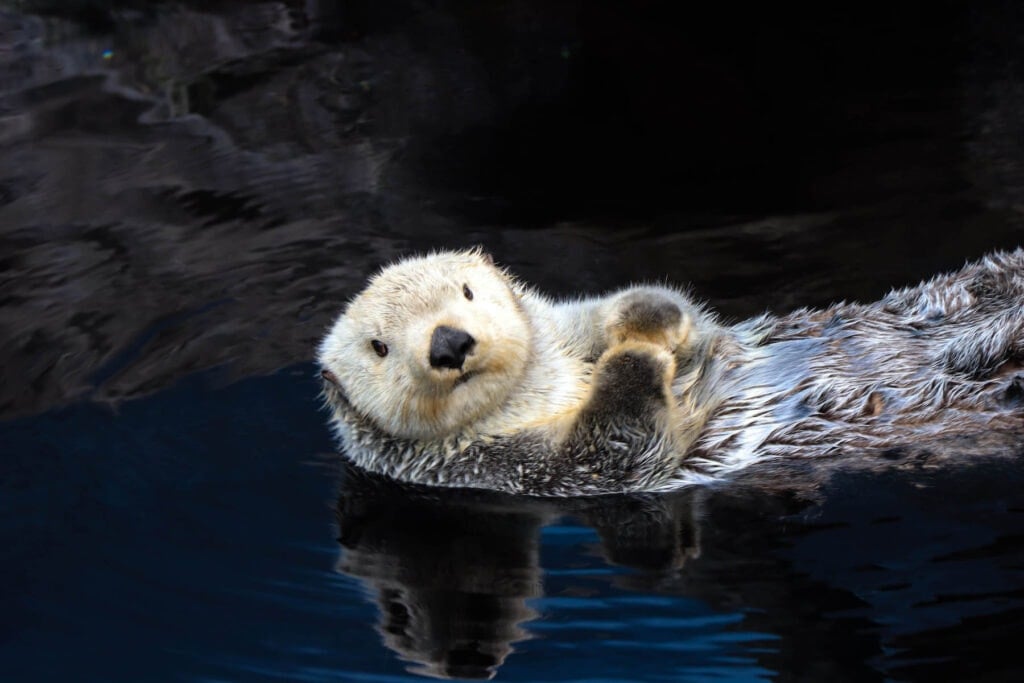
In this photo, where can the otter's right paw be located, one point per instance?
(648, 316)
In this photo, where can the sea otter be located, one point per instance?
(447, 370)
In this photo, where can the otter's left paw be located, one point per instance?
(633, 377)
(650, 317)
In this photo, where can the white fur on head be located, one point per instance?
(400, 307)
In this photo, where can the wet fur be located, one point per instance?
(644, 390)
(925, 362)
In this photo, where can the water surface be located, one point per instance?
(189, 193)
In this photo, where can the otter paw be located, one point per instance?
(650, 317)
(634, 374)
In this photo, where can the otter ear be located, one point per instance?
(334, 381)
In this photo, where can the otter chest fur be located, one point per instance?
(446, 370)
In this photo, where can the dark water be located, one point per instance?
(189, 192)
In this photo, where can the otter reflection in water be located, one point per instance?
(452, 571)
(845, 571)
(451, 576)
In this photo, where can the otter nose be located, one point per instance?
(449, 346)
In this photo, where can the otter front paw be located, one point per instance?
(633, 378)
(648, 316)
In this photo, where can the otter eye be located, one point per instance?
(379, 347)
(467, 292)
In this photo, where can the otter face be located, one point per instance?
(433, 344)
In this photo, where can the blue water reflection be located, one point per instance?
(194, 535)
(189, 536)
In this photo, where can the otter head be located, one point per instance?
(433, 344)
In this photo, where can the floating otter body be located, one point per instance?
(448, 371)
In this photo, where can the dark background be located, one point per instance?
(210, 193)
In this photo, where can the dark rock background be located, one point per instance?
(202, 184)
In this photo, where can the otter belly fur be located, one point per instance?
(446, 370)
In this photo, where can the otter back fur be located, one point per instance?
(446, 370)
